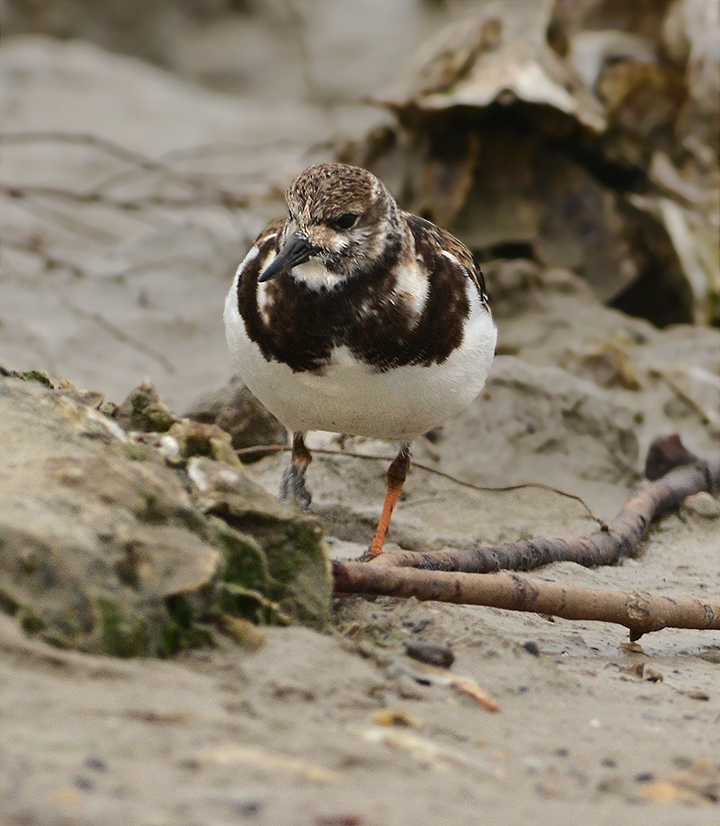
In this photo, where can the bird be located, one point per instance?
(353, 316)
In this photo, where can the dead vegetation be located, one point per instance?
(463, 576)
(580, 135)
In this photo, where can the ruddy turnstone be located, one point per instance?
(352, 316)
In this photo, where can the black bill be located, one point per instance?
(297, 250)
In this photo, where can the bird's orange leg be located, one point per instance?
(396, 475)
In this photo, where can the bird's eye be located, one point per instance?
(344, 221)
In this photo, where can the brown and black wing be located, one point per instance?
(250, 269)
(269, 239)
(445, 241)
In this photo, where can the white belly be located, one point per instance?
(350, 398)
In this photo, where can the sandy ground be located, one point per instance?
(585, 731)
(295, 733)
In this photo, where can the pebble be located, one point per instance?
(710, 654)
(440, 655)
(702, 504)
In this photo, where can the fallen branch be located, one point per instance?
(461, 576)
(639, 611)
(607, 546)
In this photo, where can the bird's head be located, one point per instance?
(339, 221)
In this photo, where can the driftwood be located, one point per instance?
(639, 611)
(604, 547)
(463, 576)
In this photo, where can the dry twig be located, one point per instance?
(607, 546)
(34, 246)
(454, 576)
(227, 200)
(115, 150)
(372, 457)
(203, 191)
(639, 611)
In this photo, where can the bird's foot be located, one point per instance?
(293, 488)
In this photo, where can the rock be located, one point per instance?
(666, 453)
(144, 410)
(532, 648)
(107, 549)
(197, 439)
(702, 504)
(438, 655)
(245, 634)
(294, 569)
(87, 398)
(506, 191)
(237, 411)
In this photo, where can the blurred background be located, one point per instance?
(572, 144)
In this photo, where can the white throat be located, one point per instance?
(316, 276)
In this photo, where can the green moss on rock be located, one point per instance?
(108, 549)
(243, 559)
(37, 375)
(144, 410)
(123, 634)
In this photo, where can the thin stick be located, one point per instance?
(320, 451)
(228, 200)
(604, 547)
(33, 246)
(104, 145)
(206, 191)
(639, 611)
(118, 334)
(69, 223)
(708, 418)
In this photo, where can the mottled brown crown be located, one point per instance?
(331, 189)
